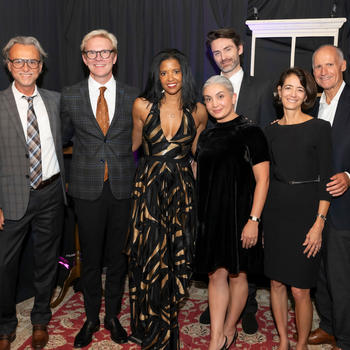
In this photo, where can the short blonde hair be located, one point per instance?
(101, 33)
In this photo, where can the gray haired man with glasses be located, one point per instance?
(96, 113)
(31, 186)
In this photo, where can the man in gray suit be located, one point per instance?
(96, 115)
(31, 186)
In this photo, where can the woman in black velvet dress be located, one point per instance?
(297, 202)
(233, 177)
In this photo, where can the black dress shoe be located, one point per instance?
(249, 323)
(84, 337)
(205, 316)
(118, 333)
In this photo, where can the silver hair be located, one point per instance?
(219, 79)
(23, 40)
(100, 33)
(338, 51)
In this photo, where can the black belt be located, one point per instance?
(46, 182)
(297, 182)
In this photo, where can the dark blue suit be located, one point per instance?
(333, 288)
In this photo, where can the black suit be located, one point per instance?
(102, 208)
(255, 100)
(333, 288)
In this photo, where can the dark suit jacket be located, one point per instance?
(340, 206)
(255, 101)
(14, 159)
(91, 148)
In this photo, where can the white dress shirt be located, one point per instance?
(236, 81)
(327, 111)
(49, 160)
(110, 92)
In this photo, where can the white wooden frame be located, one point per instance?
(308, 27)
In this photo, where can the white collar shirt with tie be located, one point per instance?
(110, 93)
(49, 160)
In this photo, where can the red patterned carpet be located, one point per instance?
(68, 318)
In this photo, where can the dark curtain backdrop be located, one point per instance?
(143, 27)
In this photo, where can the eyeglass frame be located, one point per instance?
(25, 61)
(99, 52)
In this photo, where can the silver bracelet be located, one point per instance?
(254, 218)
(321, 216)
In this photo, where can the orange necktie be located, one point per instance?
(103, 119)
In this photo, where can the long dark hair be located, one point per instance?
(153, 90)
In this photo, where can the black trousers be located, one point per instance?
(333, 287)
(44, 216)
(103, 226)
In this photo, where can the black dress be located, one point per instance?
(161, 238)
(299, 153)
(226, 184)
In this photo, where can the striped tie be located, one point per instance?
(34, 147)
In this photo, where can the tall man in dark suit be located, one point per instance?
(333, 288)
(31, 186)
(97, 112)
(254, 101)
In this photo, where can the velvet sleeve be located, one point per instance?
(324, 153)
(257, 145)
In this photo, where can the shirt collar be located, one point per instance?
(93, 84)
(18, 95)
(237, 76)
(335, 98)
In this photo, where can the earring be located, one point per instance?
(162, 92)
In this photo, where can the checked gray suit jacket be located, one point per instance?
(14, 158)
(91, 148)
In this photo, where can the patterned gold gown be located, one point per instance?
(161, 238)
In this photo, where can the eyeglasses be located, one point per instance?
(92, 54)
(19, 63)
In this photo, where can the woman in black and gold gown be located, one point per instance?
(167, 121)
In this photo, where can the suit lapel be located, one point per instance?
(342, 109)
(243, 91)
(50, 112)
(13, 114)
(86, 105)
(119, 98)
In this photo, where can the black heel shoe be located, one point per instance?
(233, 340)
(225, 343)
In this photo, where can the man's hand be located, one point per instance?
(338, 185)
(2, 219)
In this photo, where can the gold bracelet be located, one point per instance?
(321, 216)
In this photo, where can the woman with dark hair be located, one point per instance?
(233, 179)
(297, 202)
(167, 121)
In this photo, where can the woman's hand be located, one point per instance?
(249, 235)
(313, 239)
